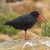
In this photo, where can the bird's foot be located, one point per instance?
(26, 38)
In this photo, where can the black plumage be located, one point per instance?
(24, 22)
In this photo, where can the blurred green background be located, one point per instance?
(11, 9)
(7, 29)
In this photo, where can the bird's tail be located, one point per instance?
(6, 23)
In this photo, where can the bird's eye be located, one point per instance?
(36, 13)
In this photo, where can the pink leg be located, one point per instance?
(26, 38)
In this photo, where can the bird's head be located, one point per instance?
(37, 15)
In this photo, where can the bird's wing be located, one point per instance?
(23, 19)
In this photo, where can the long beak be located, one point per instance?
(41, 18)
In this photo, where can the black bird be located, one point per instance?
(25, 22)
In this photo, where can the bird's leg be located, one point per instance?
(26, 38)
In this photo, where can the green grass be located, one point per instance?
(46, 29)
(7, 29)
(11, 31)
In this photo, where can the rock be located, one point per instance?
(4, 38)
(27, 47)
(34, 43)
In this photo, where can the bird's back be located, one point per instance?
(22, 22)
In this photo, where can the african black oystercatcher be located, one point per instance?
(25, 22)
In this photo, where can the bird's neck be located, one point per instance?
(34, 16)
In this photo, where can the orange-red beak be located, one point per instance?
(41, 18)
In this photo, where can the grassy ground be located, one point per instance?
(11, 31)
(19, 8)
(46, 29)
(6, 17)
